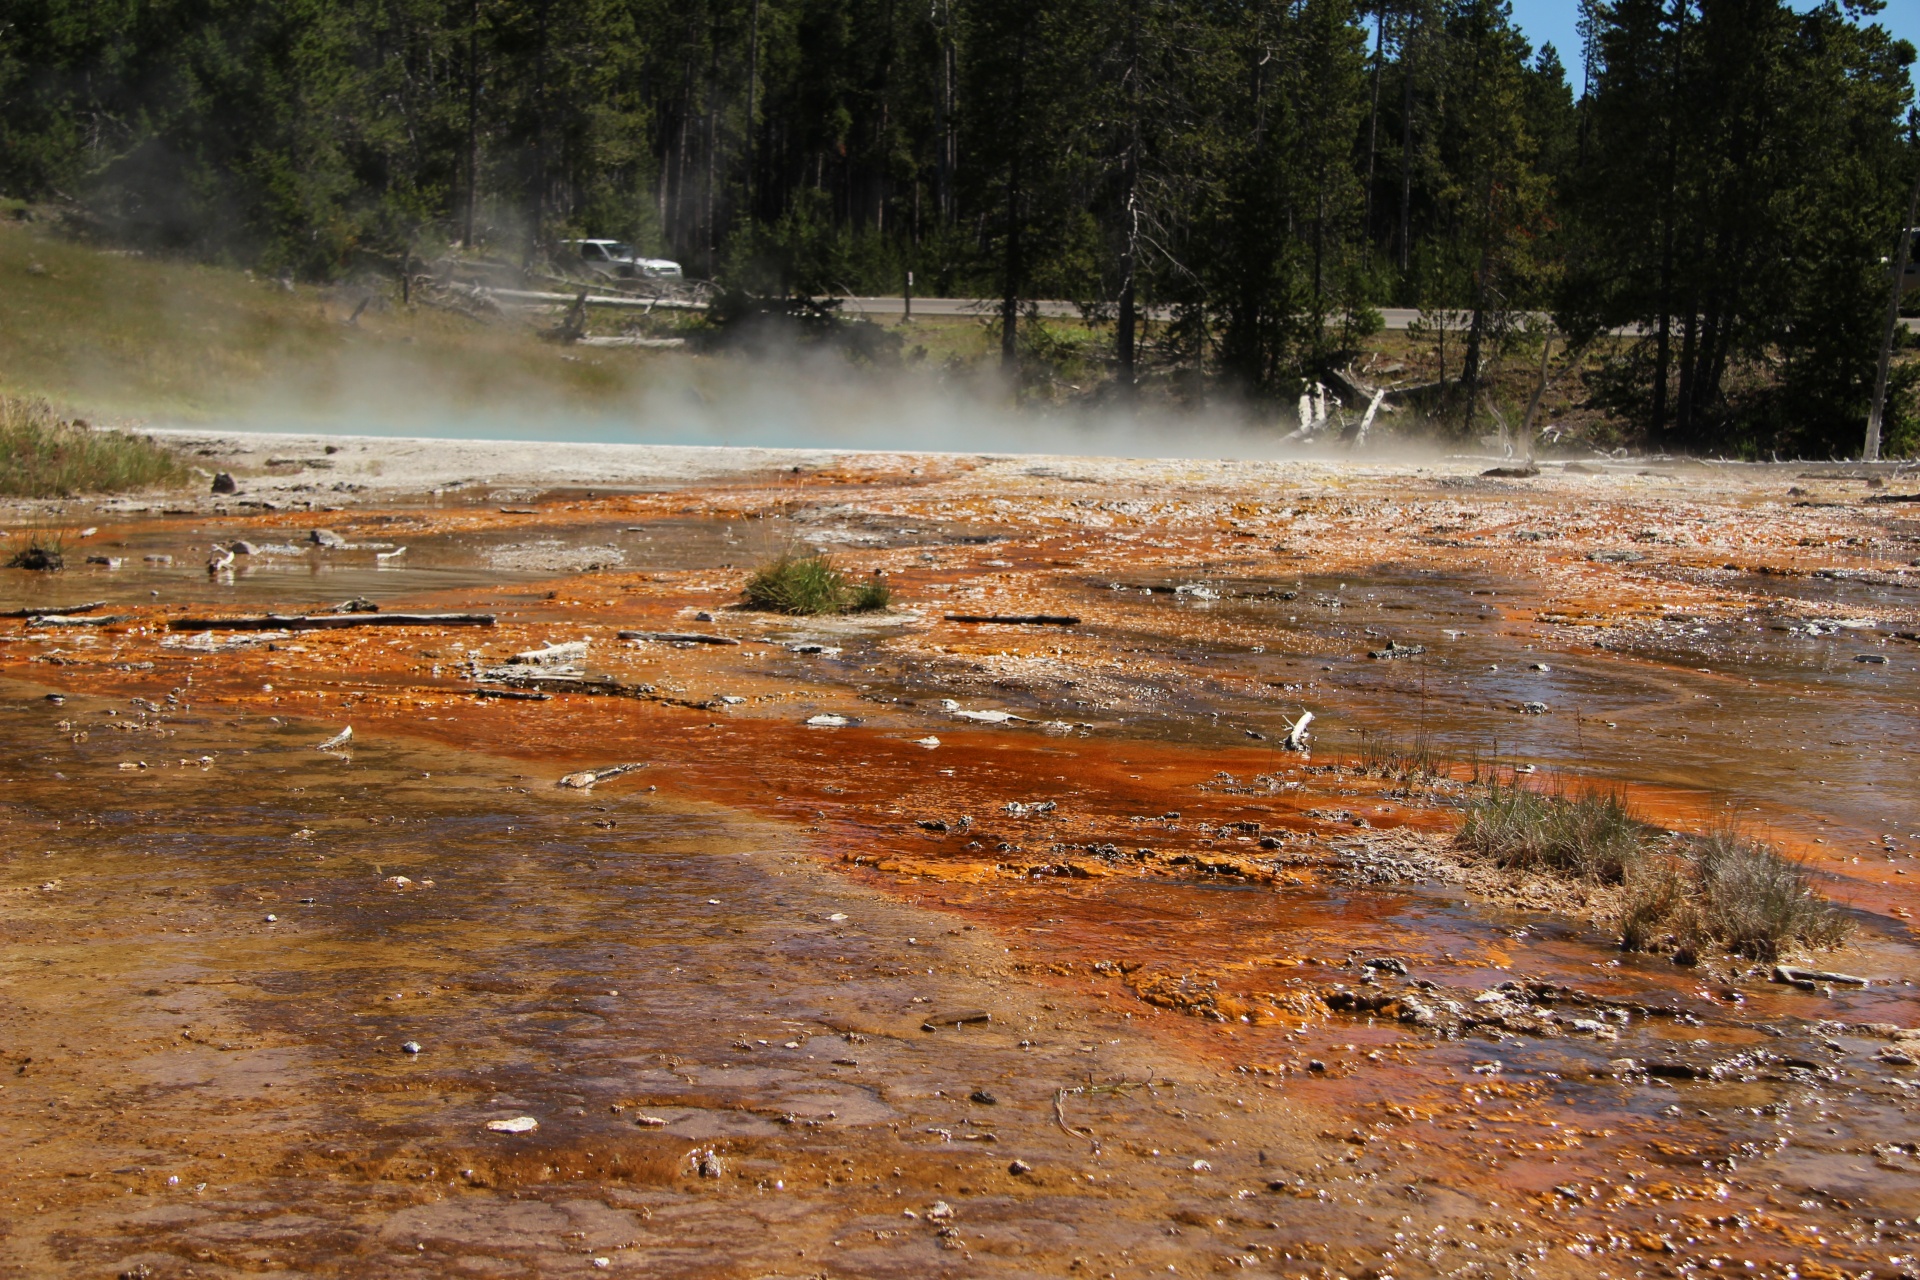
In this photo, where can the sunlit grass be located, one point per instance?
(809, 585)
(45, 456)
(1684, 894)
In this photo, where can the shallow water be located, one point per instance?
(590, 958)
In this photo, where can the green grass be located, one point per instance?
(1685, 894)
(811, 585)
(44, 456)
(1589, 835)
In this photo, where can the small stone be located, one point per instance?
(519, 1124)
(984, 1098)
(1314, 1064)
(1202, 1166)
(1019, 1167)
(411, 1046)
(326, 538)
(273, 919)
(224, 483)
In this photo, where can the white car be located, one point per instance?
(617, 257)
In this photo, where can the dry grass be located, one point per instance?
(1589, 835)
(44, 456)
(1686, 894)
(133, 335)
(1730, 891)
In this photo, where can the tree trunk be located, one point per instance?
(473, 123)
(753, 85)
(1373, 129)
(1130, 261)
(1406, 147)
(1871, 453)
(1663, 350)
(1476, 333)
(1010, 277)
(538, 196)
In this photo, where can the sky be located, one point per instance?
(1552, 22)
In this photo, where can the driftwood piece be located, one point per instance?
(551, 655)
(331, 621)
(1366, 423)
(1296, 739)
(1018, 619)
(678, 637)
(54, 610)
(64, 620)
(587, 777)
(1794, 975)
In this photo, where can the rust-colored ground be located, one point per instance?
(210, 969)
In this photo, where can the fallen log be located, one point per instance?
(1794, 975)
(1018, 619)
(559, 682)
(677, 637)
(587, 777)
(64, 620)
(551, 654)
(54, 610)
(331, 621)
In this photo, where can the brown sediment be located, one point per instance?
(1121, 875)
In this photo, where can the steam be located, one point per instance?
(797, 399)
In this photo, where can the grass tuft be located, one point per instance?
(1687, 894)
(872, 595)
(812, 585)
(1756, 902)
(44, 553)
(43, 456)
(1586, 836)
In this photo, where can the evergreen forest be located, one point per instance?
(1230, 189)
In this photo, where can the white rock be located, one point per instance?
(519, 1124)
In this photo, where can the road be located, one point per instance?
(1397, 319)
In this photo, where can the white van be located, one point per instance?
(616, 258)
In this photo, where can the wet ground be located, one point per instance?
(1079, 853)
